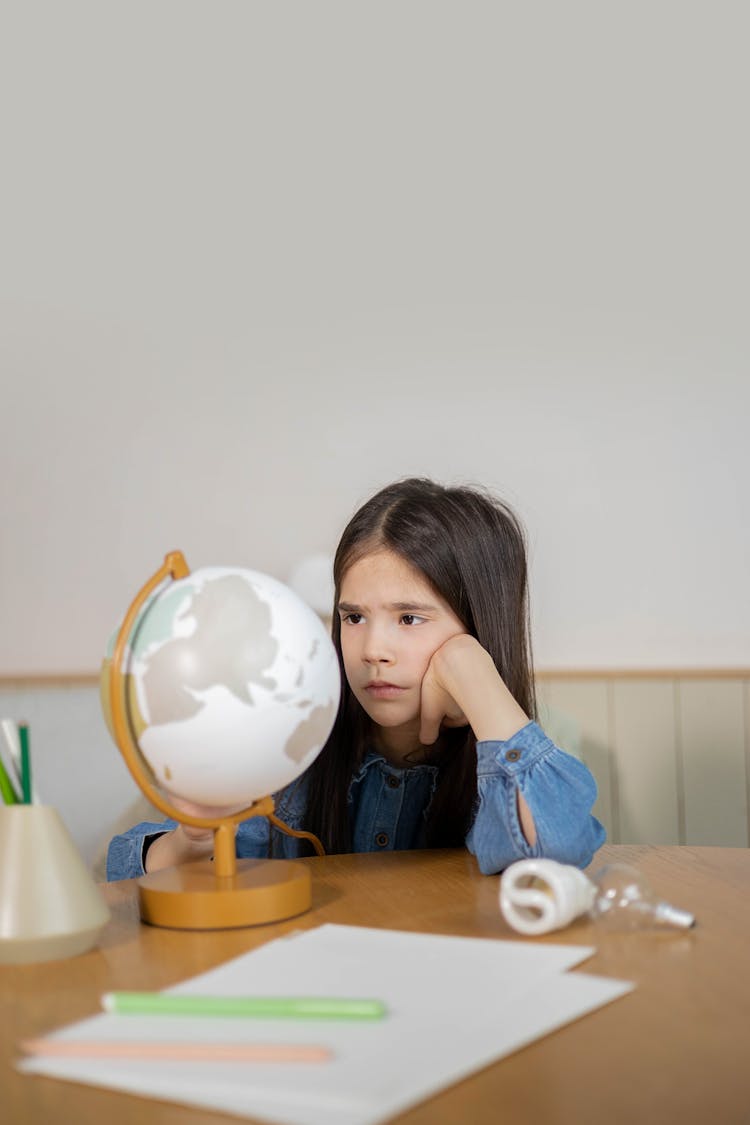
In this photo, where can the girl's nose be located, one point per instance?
(376, 649)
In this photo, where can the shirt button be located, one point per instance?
(393, 782)
(512, 755)
(381, 839)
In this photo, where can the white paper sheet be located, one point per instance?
(455, 1005)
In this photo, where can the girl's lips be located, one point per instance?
(383, 691)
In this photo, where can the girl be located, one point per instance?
(434, 744)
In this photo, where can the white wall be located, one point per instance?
(258, 259)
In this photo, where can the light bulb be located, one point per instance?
(625, 901)
(541, 895)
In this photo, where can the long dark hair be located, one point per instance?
(470, 547)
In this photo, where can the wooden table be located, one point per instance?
(676, 1049)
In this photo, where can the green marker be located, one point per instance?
(261, 1007)
(23, 734)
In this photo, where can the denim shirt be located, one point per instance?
(389, 806)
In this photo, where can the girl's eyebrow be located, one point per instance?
(347, 607)
(402, 607)
(414, 607)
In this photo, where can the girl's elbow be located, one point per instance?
(576, 849)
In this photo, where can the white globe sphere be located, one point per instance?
(232, 684)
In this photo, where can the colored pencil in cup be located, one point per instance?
(10, 761)
(7, 792)
(23, 734)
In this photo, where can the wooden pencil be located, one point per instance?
(188, 1052)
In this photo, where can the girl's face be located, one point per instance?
(392, 622)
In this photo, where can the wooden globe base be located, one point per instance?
(193, 897)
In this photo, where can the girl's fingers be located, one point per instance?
(429, 729)
(194, 809)
(430, 711)
(438, 708)
(191, 831)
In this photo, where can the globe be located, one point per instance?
(231, 685)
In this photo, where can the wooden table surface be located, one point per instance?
(676, 1049)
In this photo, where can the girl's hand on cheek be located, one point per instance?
(463, 686)
(439, 706)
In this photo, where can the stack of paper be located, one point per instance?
(454, 1005)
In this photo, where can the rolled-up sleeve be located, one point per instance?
(559, 790)
(126, 852)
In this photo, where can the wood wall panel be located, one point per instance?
(712, 734)
(672, 755)
(648, 773)
(587, 703)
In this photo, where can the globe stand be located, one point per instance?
(193, 897)
(208, 894)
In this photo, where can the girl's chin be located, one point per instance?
(384, 716)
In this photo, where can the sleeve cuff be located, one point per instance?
(513, 755)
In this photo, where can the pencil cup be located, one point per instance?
(50, 906)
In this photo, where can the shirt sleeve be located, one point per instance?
(559, 790)
(126, 852)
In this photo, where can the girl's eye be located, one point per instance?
(352, 618)
(411, 619)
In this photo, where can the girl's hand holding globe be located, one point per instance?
(186, 841)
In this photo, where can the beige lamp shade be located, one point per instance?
(50, 906)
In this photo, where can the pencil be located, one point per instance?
(7, 792)
(23, 734)
(181, 1052)
(10, 761)
(263, 1007)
